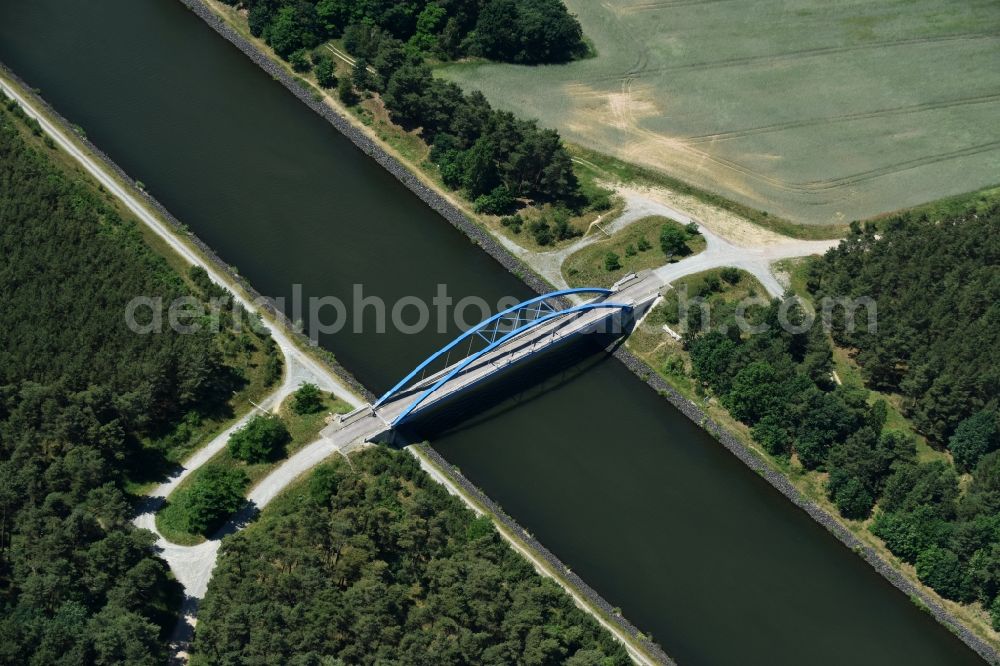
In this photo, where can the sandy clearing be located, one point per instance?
(729, 226)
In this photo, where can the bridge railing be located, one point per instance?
(485, 326)
(494, 331)
(459, 367)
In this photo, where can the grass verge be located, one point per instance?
(637, 248)
(303, 428)
(977, 200)
(612, 169)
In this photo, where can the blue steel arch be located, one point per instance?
(480, 327)
(496, 338)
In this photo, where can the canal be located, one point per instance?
(652, 512)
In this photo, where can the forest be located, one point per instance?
(81, 396)
(499, 161)
(937, 290)
(525, 31)
(373, 562)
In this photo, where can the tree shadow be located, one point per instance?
(147, 464)
(147, 504)
(150, 462)
(246, 514)
(170, 600)
(493, 399)
(181, 638)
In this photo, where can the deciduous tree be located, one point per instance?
(263, 438)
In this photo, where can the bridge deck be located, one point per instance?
(639, 293)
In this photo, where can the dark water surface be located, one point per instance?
(653, 513)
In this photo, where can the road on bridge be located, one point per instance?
(636, 295)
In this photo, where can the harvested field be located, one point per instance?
(815, 112)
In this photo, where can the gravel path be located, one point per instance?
(192, 565)
(756, 260)
(754, 254)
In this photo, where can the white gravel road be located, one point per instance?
(756, 259)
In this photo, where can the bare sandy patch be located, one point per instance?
(729, 226)
(613, 120)
(595, 109)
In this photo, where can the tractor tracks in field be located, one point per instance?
(697, 147)
(843, 118)
(779, 58)
(814, 187)
(666, 4)
(861, 176)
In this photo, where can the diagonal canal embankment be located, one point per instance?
(640, 502)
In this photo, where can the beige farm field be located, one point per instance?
(815, 111)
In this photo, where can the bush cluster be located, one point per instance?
(262, 439)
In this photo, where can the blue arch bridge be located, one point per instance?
(500, 342)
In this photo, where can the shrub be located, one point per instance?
(514, 222)
(451, 168)
(901, 535)
(262, 439)
(643, 245)
(34, 125)
(673, 241)
(214, 495)
(323, 484)
(975, 437)
(500, 200)
(324, 72)
(940, 568)
(730, 274)
(600, 202)
(612, 262)
(299, 61)
(563, 229)
(769, 433)
(308, 399)
(360, 76)
(691, 228)
(272, 368)
(674, 366)
(542, 232)
(853, 500)
(346, 93)
(478, 528)
(630, 251)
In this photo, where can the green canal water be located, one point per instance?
(654, 514)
